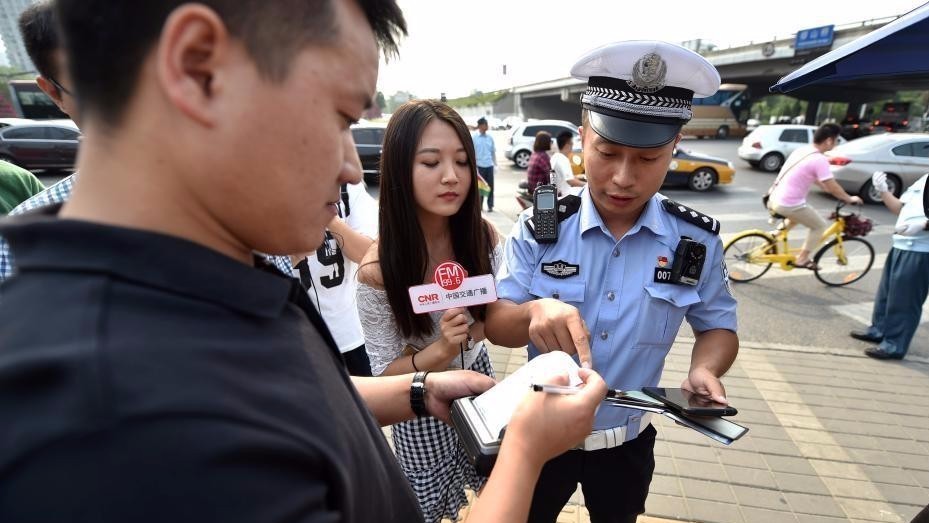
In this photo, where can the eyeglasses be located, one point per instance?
(58, 85)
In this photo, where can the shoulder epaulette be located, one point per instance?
(691, 216)
(567, 207)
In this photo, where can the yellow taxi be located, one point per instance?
(699, 172)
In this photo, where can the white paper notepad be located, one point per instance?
(497, 404)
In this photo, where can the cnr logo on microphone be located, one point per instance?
(452, 288)
(428, 299)
(449, 275)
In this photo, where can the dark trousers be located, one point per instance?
(357, 362)
(899, 302)
(614, 481)
(488, 174)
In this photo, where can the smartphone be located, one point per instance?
(689, 403)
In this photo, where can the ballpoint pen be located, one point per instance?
(566, 389)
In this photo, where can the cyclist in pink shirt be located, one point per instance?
(807, 166)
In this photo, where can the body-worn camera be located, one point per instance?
(688, 262)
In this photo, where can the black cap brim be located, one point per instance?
(632, 133)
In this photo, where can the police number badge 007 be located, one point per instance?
(452, 288)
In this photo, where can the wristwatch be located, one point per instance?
(418, 394)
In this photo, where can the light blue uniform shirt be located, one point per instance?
(484, 149)
(632, 319)
(912, 210)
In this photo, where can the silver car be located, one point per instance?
(903, 156)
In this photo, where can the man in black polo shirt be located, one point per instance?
(149, 371)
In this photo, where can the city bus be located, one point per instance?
(26, 100)
(721, 115)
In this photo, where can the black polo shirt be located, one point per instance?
(144, 378)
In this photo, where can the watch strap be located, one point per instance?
(418, 394)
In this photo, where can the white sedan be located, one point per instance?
(903, 156)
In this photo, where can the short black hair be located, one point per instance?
(108, 40)
(40, 35)
(826, 131)
(563, 138)
(482, 121)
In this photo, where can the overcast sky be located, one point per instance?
(458, 46)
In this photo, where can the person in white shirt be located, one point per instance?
(563, 177)
(329, 274)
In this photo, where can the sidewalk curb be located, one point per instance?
(808, 349)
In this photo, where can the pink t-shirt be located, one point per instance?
(791, 190)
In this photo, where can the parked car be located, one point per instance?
(519, 147)
(768, 146)
(697, 171)
(904, 157)
(41, 144)
(369, 142)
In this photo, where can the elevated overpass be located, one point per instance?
(756, 64)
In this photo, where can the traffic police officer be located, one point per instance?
(905, 280)
(607, 289)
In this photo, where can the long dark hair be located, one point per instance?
(402, 251)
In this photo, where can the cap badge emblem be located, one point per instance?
(648, 73)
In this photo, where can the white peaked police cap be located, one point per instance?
(640, 92)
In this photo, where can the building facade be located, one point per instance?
(9, 30)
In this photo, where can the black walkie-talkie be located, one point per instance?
(545, 213)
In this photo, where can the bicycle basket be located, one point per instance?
(857, 225)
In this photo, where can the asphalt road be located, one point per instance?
(784, 308)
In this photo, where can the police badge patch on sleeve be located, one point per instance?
(560, 269)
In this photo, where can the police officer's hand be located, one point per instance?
(547, 425)
(555, 325)
(912, 227)
(703, 382)
(879, 182)
(444, 387)
(454, 328)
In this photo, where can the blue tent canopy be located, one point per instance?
(892, 58)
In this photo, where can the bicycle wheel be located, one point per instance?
(742, 257)
(841, 264)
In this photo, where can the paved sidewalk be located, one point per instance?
(833, 438)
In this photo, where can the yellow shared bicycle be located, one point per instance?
(845, 258)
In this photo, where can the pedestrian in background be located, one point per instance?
(330, 274)
(430, 214)
(16, 186)
(38, 27)
(485, 153)
(540, 164)
(562, 173)
(905, 280)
